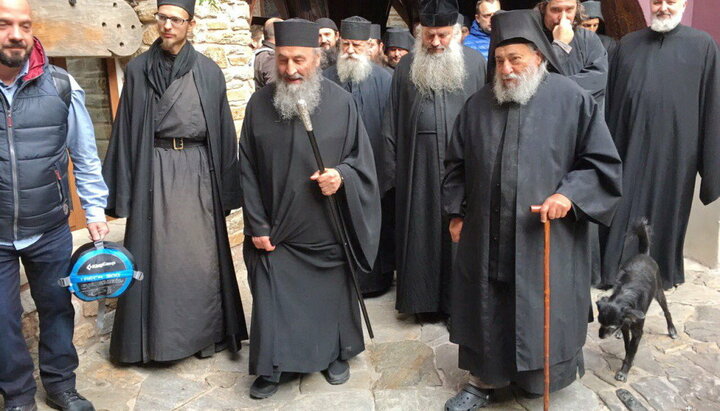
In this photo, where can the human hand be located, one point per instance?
(263, 243)
(556, 206)
(456, 225)
(329, 181)
(564, 30)
(98, 231)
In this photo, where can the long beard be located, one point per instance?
(354, 69)
(287, 95)
(526, 87)
(329, 57)
(438, 72)
(667, 24)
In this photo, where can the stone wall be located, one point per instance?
(91, 75)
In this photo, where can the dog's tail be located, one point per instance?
(642, 230)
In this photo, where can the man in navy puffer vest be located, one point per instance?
(43, 121)
(479, 37)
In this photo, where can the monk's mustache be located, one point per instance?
(293, 77)
(15, 44)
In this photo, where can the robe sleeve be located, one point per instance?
(117, 167)
(257, 223)
(709, 164)
(593, 76)
(453, 186)
(389, 137)
(230, 172)
(360, 190)
(594, 183)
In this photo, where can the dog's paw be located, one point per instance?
(672, 332)
(621, 376)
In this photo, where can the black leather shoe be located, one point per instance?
(263, 388)
(69, 400)
(338, 372)
(27, 407)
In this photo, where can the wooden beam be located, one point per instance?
(622, 17)
(91, 28)
(115, 83)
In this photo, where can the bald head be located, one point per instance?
(269, 29)
(16, 38)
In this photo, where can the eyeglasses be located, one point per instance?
(176, 21)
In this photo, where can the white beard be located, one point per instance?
(287, 95)
(667, 24)
(438, 72)
(353, 69)
(524, 90)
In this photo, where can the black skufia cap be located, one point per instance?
(376, 32)
(296, 33)
(520, 26)
(438, 13)
(187, 5)
(400, 38)
(326, 23)
(355, 28)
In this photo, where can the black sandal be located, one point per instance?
(470, 398)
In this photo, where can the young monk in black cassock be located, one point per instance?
(172, 170)
(529, 137)
(305, 315)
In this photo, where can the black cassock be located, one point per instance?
(587, 63)
(371, 95)
(416, 131)
(664, 114)
(157, 319)
(498, 165)
(305, 314)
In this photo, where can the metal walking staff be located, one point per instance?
(335, 216)
(546, 337)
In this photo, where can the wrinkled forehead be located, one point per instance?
(437, 31)
(15, 10)
(294, 52)
(514, 49)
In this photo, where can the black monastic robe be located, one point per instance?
(557, 143)
(128, 172)
(416, 132)
(371, 95)
(305, 314)
(587, 63)
(663, 112)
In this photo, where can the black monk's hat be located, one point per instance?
(438, 13)
(355, 28)
(259, 20)
(520, 26)
(296, 33)
(376, 32)
(187, 5)
(398, 37)
(326, 23)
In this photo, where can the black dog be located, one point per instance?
(624, 312)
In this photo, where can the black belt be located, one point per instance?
(178, 143)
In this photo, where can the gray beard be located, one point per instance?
(438, 72)
(527, 86)
(354, 70)
(665, 25)
(287, 95)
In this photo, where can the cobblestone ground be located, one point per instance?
(412, 366)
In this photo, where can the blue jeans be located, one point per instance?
(45, 262)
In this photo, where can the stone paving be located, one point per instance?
(411, 366)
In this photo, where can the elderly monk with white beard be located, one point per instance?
(530, 137)
(429, 88)
(369, 85)
(305, 316)
(663, 96)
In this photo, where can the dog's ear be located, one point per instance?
(633, 314)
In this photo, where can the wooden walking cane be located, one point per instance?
(546, 274)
